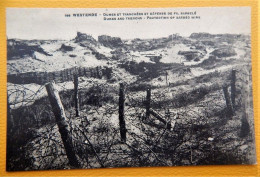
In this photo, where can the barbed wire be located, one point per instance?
(95, 132)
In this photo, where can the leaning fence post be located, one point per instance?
(62, 123)
(76, 94)
(233, 87)
(148, 102)
(228, 102)
(121, 112)
(160, 118)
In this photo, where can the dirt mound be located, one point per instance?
(66, 48)
(224, 52)
(190, 55)
(20, 49)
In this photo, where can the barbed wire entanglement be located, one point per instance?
(156, 126)
(126, 113)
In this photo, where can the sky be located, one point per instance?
(51, 23)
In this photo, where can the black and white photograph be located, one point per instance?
(128, 87)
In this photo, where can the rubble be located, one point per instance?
(81, 37)
(108, 41)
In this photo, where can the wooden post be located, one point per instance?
(69, 74)
(97, 71)
(121, 112)
(108, 72)
(160, 118)
(245, 127)
(79, 72)
(53, 76)
(166, 74)
(46, 76)
(62, 76)
(76, 94)
(10, 128)
(62, 123)
(228, 101)
(148, 102)
(10, 119)
(233, 87)
(167, 114)
(91, 72)
(85, 72)
(66, 75)
(49, 76)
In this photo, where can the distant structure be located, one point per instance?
(175, 36)
(83, 37)
(109, 41)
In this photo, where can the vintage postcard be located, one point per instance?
(128, 87)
